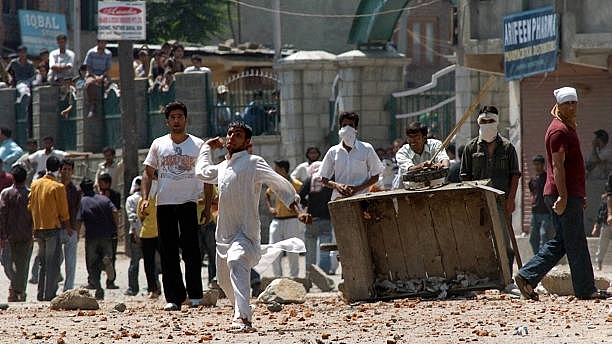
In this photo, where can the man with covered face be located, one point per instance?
(352, 164)
(491, 156)
(564, 192)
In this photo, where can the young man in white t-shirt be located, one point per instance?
(174, 156)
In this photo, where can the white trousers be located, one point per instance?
(282, 229)
(234, 264)
(234, 277)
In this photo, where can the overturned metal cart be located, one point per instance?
(424, 242)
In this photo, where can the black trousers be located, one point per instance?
(149, 247)
(178, 231)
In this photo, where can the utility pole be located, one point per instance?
(129, 132)
(76, 33)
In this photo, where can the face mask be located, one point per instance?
(348, 135)
(488, 131)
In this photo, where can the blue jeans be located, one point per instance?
(539, 224)
(320, 231)
(48, 253)
(569, 239)
(136, 250)
(69, 246)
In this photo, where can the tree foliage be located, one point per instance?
(185, 20)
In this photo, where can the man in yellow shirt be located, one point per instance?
(49, 206)
(149, 240)
(285, 224)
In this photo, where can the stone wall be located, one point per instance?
(368, 79)
(45, 121)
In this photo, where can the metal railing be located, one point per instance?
(432, 104)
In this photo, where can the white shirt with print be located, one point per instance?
(175, 163)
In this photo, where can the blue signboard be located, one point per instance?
(530, 43)
(40, 29)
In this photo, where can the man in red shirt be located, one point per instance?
(564, 192)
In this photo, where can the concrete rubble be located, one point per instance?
(74, 299)
(319, 278)
(560, 283)
(283, 291)
(120, 307)
(210, 297)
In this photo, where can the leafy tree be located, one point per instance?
(185, 20)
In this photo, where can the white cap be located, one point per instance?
(488, 115)
(566, 94)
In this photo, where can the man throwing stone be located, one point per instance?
(238, 236)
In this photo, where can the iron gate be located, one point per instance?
(252, 96)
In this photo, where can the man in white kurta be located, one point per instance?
(239, 179)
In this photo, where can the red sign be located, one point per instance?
(120, 11)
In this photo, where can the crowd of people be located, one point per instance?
(188, 204)
(60, 68)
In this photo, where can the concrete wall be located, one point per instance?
(366, 81)
(306, 80)
(7, 107)
(191, 89)
(45, 120)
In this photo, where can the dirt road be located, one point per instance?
(325, 318)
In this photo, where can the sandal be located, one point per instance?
(598, 295)
(525, 288)
(241, 326)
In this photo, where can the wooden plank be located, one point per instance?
(396, 259)
(375, 235)
(498, 236)
(422, 254)
(354, 251)
(444, 234)
(478, 241)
